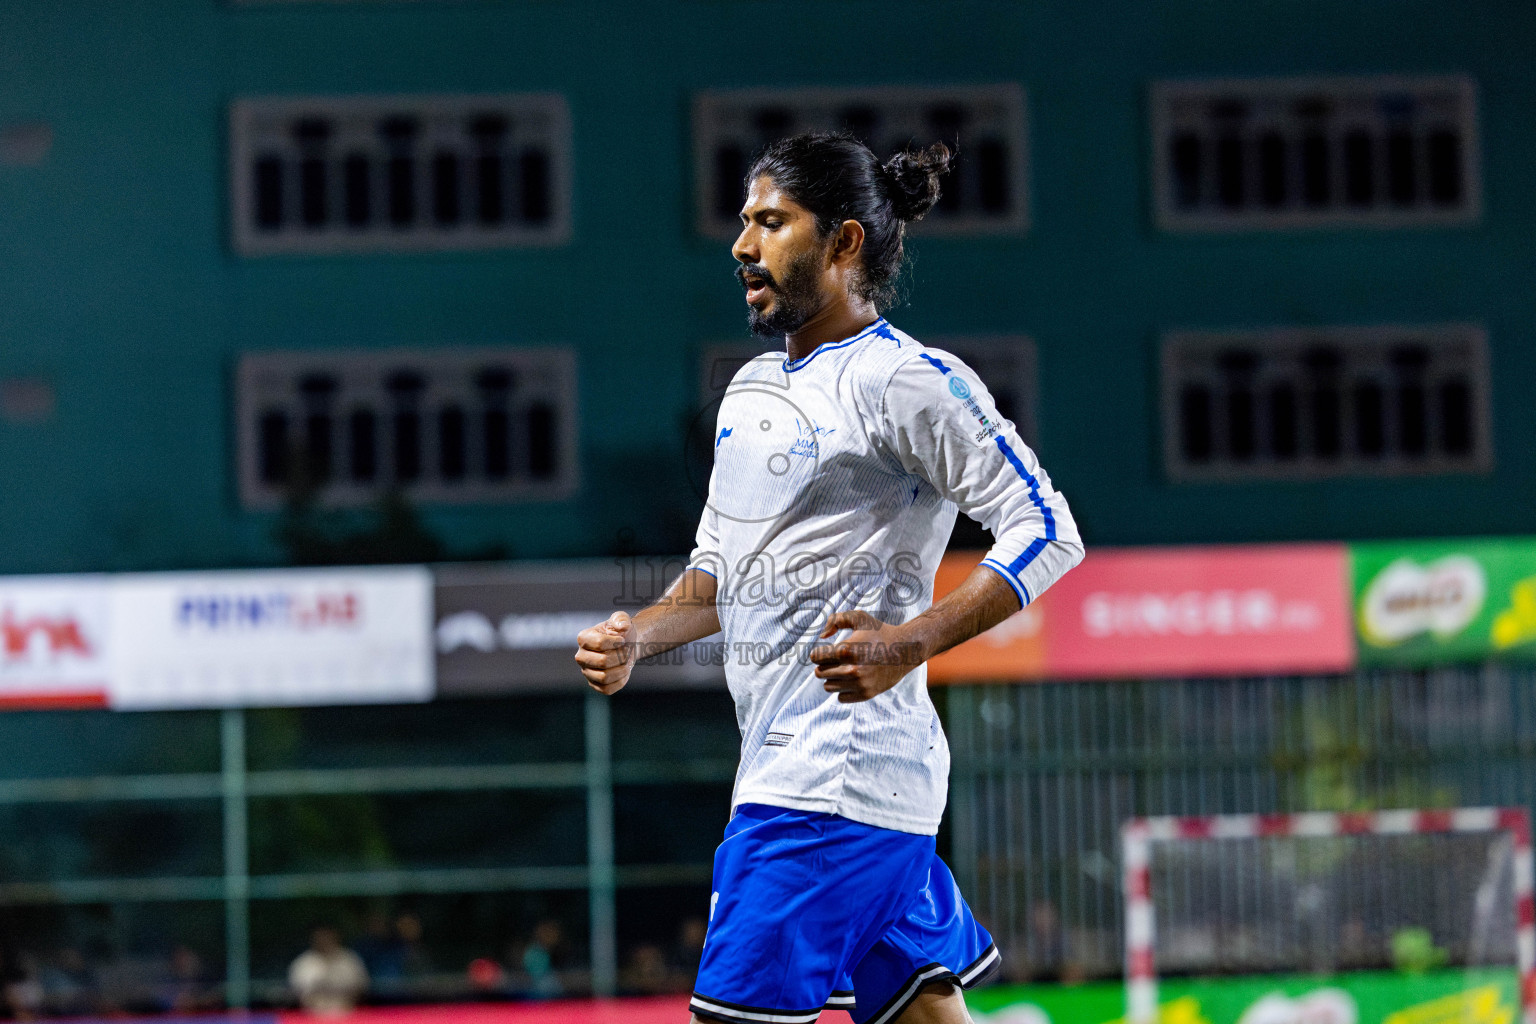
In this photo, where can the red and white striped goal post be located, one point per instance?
(1138, 835)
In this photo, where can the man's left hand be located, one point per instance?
(868, 661)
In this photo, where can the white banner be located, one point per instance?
(271, 637)
(53, 641)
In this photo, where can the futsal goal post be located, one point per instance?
(1328, 893)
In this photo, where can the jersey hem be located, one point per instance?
(894, 822)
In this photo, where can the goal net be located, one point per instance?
(1389, 917)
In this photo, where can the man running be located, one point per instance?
(840, 464)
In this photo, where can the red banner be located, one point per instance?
(1249, 610)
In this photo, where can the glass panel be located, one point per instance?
(506, 730)
(355, 832)
(678, 726)
(669, 824)
(54, 744)
(136, 839)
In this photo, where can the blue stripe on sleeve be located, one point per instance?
(1019, 590)
(706, 572)
(1033, 551)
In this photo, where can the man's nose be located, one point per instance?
(745, 250)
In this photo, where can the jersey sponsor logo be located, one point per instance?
(778, 739)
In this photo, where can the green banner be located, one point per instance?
(1440, 997)
(1432, 602)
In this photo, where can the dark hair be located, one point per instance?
(837, 178)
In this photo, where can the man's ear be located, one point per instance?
(848, 243)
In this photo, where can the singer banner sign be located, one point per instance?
(1123, 613)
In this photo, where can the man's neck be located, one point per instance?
(834, 322)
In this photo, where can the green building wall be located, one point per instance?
(118, 284)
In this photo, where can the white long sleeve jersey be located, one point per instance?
(835, 487)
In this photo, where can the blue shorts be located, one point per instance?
(814, 911)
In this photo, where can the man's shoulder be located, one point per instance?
(891, 351)
(764, 366)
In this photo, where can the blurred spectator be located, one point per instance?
(328, 977)
(645, 972)
(381, 953)
(23, 989)
(187, 988)
(487, 978)
(1047, 946)
(688, 951)
(414, 960)
(69, 984)
(539, 959)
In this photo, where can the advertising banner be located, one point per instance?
(1431, 602)
(53, 641)
(1014, 649)
(1133, 612)
(279, 638)
(512, 628)
(1480, 996)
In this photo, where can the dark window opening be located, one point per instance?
(1456, 417)
(1272, 183)
(452, 458)
(730, 169)
(357, 184)
(992, 176)
(1316, 183)
(1185, 158)
(445, 188)
(535, 175)
(268, 183)
(1444, 159)
(1402, 177)
(1359, 169)
(1229, 172)
(1283, 421)
(363, 446)
(312, 184)
(1196, 437)
(1370, 422)
(272, 448)
(541, 441)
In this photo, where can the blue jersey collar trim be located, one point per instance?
(874, 328)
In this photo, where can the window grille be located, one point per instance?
(986, 192)
(1378, 401)
(325, 174)
(451, 426)
(1315, 152)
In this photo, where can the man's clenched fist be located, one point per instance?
(868, 661)
(604, 652)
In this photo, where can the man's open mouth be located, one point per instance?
(756, 286)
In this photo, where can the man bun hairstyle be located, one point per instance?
(913, 180)
(838, 178)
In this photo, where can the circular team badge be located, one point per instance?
(959, 388)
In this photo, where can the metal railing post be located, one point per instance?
(600, 869)
(237, 875)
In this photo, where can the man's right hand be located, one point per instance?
(604, 652)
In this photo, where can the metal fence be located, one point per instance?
(1044, 776)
